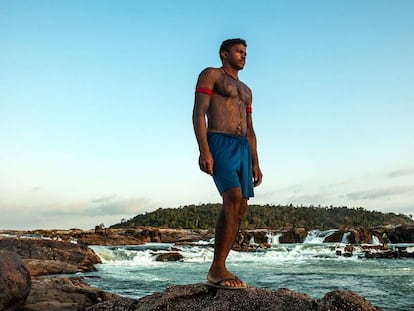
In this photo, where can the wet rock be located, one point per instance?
(172, 256)
(62, 293)
(199, 297)
(345, 300)
(15, 281)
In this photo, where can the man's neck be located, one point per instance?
(231, 71)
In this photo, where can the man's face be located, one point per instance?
(236, 56)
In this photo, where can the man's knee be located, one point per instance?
(233, 196)
(234, 202)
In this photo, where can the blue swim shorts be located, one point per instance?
(232, 162)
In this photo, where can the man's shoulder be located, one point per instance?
(210, 71)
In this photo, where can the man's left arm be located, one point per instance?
(251, 137)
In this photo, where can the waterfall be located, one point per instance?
(317, 237)
(252, 241)
(375, 240)
(273, 238)
(345, 237)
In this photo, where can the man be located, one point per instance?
(228, 152)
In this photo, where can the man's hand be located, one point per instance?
(206, 163)
(257, 176)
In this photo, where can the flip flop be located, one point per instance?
(220, 284)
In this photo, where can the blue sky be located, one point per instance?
(96, 100)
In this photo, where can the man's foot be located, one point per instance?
(230, 282)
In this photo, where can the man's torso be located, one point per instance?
(227, 110)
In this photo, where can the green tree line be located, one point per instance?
(204, 216)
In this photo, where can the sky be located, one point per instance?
(96, 99)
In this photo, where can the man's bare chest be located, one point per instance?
(232, 91)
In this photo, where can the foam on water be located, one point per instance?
(278, 253)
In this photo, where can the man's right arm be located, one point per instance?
(204, 90)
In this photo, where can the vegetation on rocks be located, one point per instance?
(267, 216)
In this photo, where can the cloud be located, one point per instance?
(402, 172)
(85, 215)
(104, 199)
(106, 206)
(379, 193)
(125, 206)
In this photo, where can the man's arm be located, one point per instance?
(251, 137)
(204, 89)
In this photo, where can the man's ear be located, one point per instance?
(224, 54)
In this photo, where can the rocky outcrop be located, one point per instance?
(384, 234)
(15, 281)
(375, 251)
(294, 235)
(171, 256)
(402, 234)
(140, 235)
(199, 297)
(128, 236)
(49, 257)
(345, 300)
(62, 293)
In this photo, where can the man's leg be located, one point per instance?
(227, 227)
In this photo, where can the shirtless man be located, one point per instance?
(228, 152)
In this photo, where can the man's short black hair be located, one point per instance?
(227, 44)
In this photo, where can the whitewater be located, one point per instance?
(311, 267)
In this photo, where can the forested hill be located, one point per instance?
(267, 216)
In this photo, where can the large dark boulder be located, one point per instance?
(15, 281)
(199, 297)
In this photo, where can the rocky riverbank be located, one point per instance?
(30, 261)
(67, 294)
(140, 235)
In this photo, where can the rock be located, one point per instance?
(335, 237)
(384, 234)
(345, 300)
(296, 235)
(172, 256)
(113, 306)
(110, 236)
(49, 256)
(394, 252)
(402, 234)
(199, 297)
(39, 267)
(63, 293)
(15, 281)
(184, 235)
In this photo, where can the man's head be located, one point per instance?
(227, 44)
